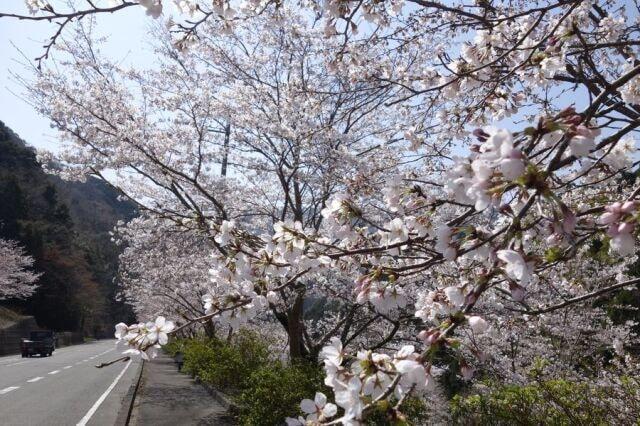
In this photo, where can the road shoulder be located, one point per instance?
(126, 409)
(167, 397)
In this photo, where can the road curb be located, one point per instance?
(124, 415)
(222, 399)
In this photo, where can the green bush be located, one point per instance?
(174, 346)
(198, 356)
(224, 365)
(414, 412)
(274, 391)
(552, 402)
(234, 362)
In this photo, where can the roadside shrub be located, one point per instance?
(274, 391)
(234, 362)
(198, 357)
(266, 391)
(551, 402)
(174, 346)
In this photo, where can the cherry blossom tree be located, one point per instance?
(264, 142)
(17, 281)
(163, 271)
(465, 173)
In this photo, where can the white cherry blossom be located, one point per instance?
(318, 408)
(515, 266)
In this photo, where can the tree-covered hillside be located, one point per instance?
(65, 227)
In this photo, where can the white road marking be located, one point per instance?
(67, 367)
(85, 360)
(11, 388)
(55, 372)
(35, 379)
(100, 400)
(15, 363)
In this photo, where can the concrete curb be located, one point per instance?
(124, 415)
(222, 399)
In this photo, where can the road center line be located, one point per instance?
(67, 367)
(11, 388)
(100, 400)
(55, 372)
(35, 379)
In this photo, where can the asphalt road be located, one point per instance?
(66, 388)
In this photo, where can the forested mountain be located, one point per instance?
(65, 227)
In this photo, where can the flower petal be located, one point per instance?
(320, 399)
(329, 410)
(308, 406)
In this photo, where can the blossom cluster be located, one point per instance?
(474, 179)
(360, 382)
(145, 338)
(621, 220)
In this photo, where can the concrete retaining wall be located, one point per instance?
(10, 337)
(68, 338)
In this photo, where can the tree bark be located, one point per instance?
(225, 153)
(297, 349)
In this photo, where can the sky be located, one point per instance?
(20, 39)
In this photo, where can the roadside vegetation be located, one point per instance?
(263, 388)
(553, 402)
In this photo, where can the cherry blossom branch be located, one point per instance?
(568, 302)
(106, 364)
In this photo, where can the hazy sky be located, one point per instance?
(126, 31)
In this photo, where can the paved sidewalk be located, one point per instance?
(168, 397)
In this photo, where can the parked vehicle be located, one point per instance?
(39, 342)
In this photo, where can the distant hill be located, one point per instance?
(65, 227)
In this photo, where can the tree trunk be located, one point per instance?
(297, 348)
(225, 152)
(209, 329)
